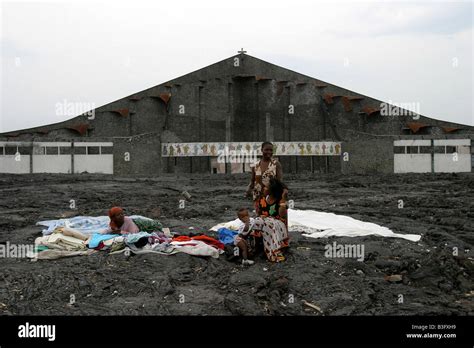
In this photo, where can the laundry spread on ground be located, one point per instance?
(317, 224)
(83, 235)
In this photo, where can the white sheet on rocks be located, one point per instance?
(317, 224)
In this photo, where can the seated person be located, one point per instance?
(273, 203)
(271, 223)
(241, 239)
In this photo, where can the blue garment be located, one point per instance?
(97, 238)
(226, 236)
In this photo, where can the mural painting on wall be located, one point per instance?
(324, 148)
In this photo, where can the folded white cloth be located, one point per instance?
(61, 242)
(196, 247)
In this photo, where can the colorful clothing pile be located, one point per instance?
(150, 239)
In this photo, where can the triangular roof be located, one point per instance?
(250, 67)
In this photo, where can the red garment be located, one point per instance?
(100, 246)
(181, 239)
(209, 240)
(203, 238)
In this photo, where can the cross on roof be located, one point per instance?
(241, 51)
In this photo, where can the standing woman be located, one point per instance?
(264, 170)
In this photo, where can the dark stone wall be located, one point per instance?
(367, 156)
(144, 155)
(149, 116)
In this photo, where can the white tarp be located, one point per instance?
(317, 224)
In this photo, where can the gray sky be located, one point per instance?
(91, 53)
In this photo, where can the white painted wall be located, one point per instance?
(94, 164)
(52, 164)
(412, 163)
(88, 143)
(452, 142)
(51, 143)
(446, 163)
(8, 164)
(412, 142)
(43, 163)
(461, 161)
(453, 162)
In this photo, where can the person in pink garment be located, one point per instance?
(119, 223)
